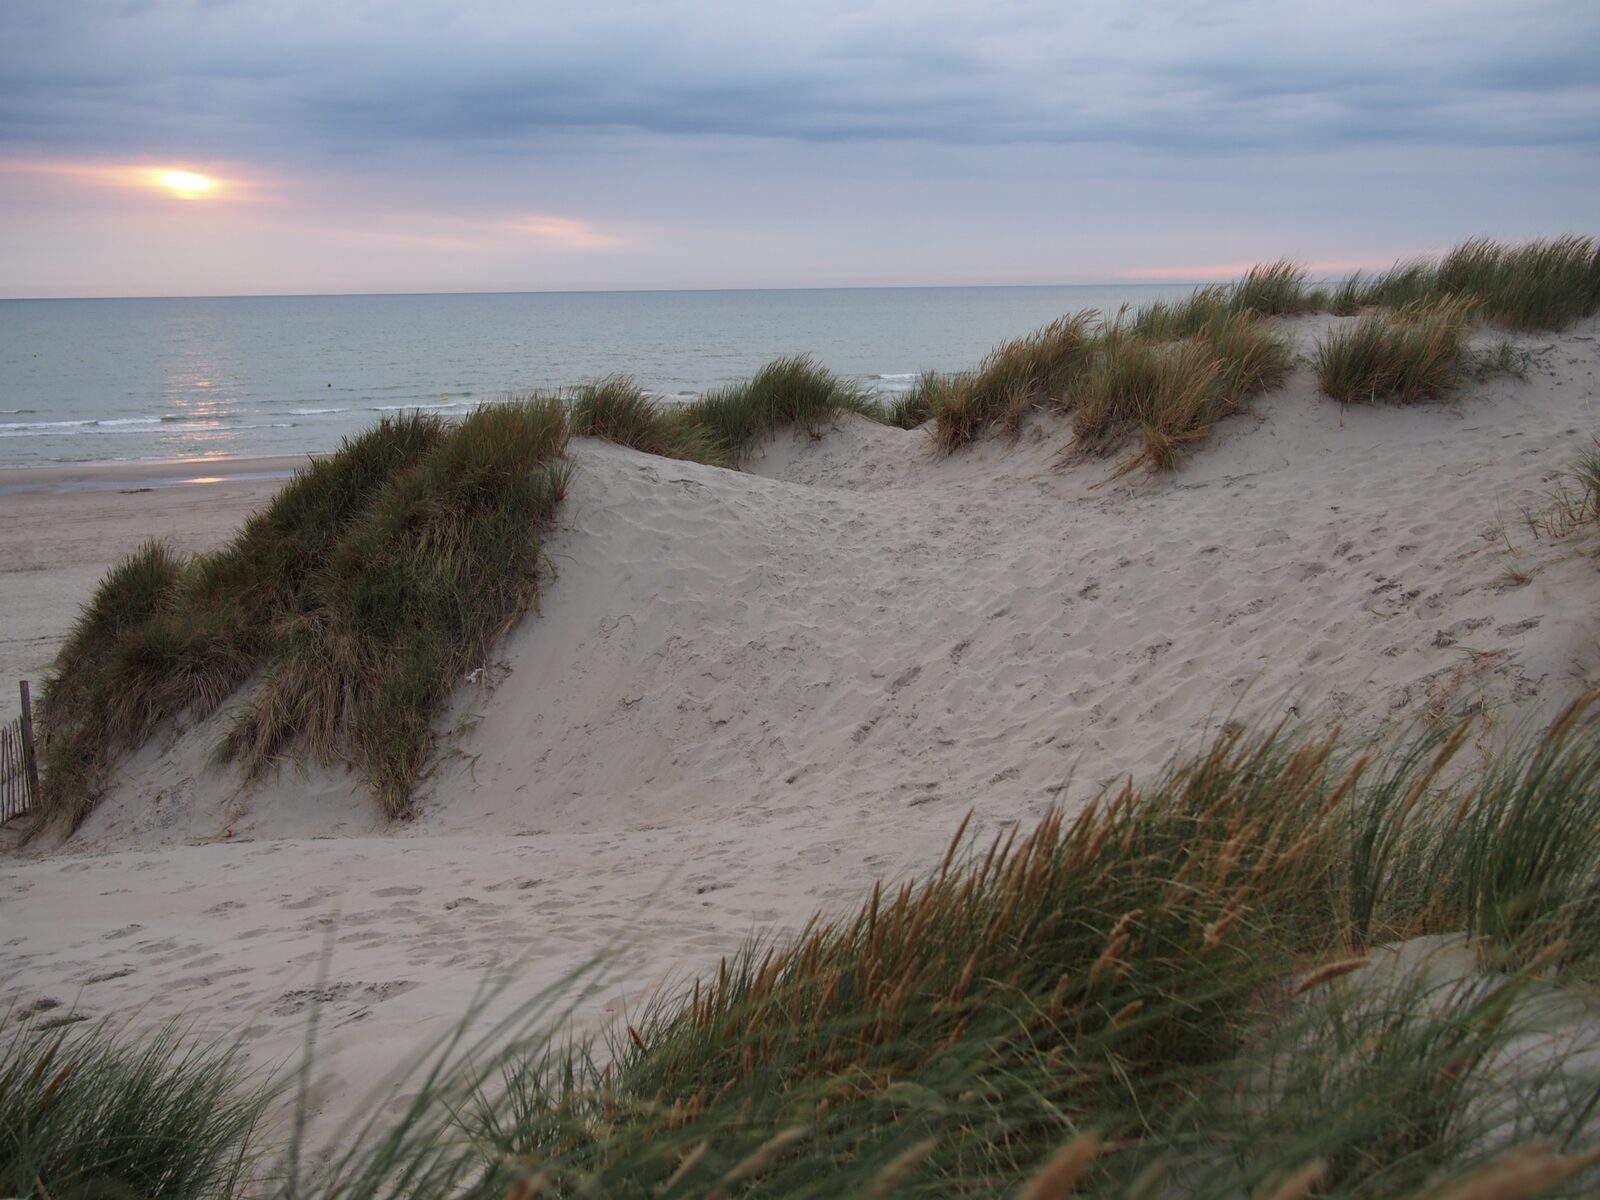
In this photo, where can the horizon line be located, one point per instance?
(871, 287)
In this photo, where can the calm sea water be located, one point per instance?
(108, 380)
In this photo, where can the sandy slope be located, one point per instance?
(747, 695)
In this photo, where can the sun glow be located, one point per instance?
(185, 184)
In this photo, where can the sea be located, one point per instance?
(118, 380)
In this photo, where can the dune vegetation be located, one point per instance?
(352, 598)
(1183, 990)
(99, 1111)
(357, 594)
(1403, 355)
(722, 427)
(1161, 376)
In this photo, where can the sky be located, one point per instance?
(222, 147)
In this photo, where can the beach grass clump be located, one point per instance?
(918, 405)
(1410, 355)
(1543, 284)
(616, 409)
(1169, 320)
(93, 1111)
(1251, 357)
(1016, 376)
(1184, 989)
(1167, 372)
(412, 595)
(1525, 855)
(1403, 285)
(723, 426)
(1170, 993)
(1275, 289)
(789, 392)
(1547, 283)
(1393, 1080)
(1169, 393)
(1166, 392)
(167, 635)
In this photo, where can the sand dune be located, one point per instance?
(750, 694)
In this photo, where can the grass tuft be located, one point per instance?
(1543, 284)
(1175, 991)
(722, 427)
(90, 1112)
(165, 636)
(616, 410)
(1407, 356)
(1274, 289)
(1170, 393)
(1016, 376)
(1170, 992)
(786, 393)
(411, 596)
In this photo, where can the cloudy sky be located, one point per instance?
(447, 145)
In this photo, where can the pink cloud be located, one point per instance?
(565, 232)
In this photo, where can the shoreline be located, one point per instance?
(147, 474)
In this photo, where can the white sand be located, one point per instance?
(748, 695)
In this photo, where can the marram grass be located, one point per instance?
(1412, 354)
(1179, 992)
(1104, 374)
(412, 595)
(617, 410)
(787, 393)
(1014, 378)
(1153, 998)
(360, 591)
(1543, 284)
(165, 635)
(724, 426)
(95, 1111)
(1164, 375)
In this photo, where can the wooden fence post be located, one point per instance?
(29, 760)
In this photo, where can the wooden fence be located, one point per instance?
(19, 767)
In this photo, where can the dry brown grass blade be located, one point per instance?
(763, 1157)
(907, 1161)
(1299, 1185)
(690, 1159)
(1521, 1174)
(1059, 1175)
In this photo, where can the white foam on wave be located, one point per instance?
(314, 412)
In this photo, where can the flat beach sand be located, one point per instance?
(749, 695)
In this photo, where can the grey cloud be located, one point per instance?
(286, 78)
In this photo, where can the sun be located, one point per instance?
(186, 185)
